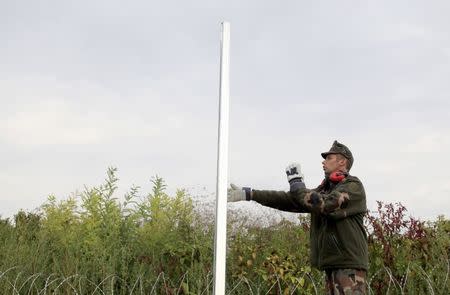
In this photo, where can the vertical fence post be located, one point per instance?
(222, 165)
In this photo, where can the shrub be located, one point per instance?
(93, 243)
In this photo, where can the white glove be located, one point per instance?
(295, 177)
(294, 171)
(235, 193)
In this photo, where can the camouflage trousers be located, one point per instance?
(345, 282)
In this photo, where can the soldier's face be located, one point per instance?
(332, 163)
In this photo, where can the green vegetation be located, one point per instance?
(158, 244)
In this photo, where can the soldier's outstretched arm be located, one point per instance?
(281, 200)
(275, 199)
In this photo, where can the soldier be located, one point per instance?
(338, 239)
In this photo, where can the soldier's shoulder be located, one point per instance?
(353, 183)
(352, 178)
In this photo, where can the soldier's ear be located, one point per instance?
(341, 158)
(344, 162)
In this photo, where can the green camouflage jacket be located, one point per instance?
(338, 237)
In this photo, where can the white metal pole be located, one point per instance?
(220, 241)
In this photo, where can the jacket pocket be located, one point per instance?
(336, 243)
(330, 247)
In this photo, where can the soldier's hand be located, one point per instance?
(236, 193)
(295, 176)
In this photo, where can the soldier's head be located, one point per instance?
(338, 158)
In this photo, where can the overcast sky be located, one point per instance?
(85, 85)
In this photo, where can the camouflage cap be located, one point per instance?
(339, 148)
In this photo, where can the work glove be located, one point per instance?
(237, 193)
(295, 177)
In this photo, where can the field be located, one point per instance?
(159, 244)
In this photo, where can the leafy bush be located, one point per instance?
(94, 243)
(407, 254)
(103, 245)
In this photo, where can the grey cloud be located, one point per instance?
(302, 75)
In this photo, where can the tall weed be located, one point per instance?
(154, 243)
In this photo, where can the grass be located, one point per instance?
(159, 244)
(19, 283)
